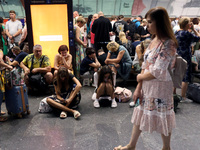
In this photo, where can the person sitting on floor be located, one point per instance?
(139, 54)
(105, 86)
(20, 55)
(66, 87)
(63, 59)
(90, 62)
(101, 57)
(119, 59)
(35, 60)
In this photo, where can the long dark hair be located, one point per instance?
(163, 25)
(104, 70)
(89, 20)
(62, 72)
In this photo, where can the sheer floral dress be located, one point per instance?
(156, 111)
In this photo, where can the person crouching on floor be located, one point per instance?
(105, 86)
(67, 87)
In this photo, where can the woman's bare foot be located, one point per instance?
(127, 147)
(3, 113)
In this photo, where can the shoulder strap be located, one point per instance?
(32, 63)
(42, 61)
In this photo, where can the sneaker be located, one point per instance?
(114, 104)
(96, 104)
(94, 96)
(132, 104)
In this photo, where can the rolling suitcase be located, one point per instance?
(16, 100)
(193, 92)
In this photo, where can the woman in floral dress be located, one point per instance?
(3, 66)
(155, 86)
(79, 45)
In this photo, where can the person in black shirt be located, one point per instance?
(66, 88)
(90, 62)
(20, 55)
(101, 57)
(119, 26)
(101, 28)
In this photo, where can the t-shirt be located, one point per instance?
(63, 89)
(85, 65)
(119, 26)
(27, 61)
(102, 59)
(21, 56)
(13, 27)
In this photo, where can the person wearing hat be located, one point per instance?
(119, 59)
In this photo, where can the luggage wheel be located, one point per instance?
(28, 112)
(19, 115)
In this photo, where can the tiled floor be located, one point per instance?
(97, 129)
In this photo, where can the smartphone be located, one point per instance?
(137, 103)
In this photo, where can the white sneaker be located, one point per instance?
(114, 104)
(132, 104)
(96, 104)
(94, 96)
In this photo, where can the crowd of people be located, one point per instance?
(106, 49)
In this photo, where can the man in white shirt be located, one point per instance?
(13, 29)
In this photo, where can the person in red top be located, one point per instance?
(95, 16)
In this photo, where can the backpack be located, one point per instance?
(178, 72)
(37, 80)
(122, 94)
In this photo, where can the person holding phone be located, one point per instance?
(105, 86)
(155, 86)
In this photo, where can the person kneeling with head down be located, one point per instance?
(67, 96)
(119, 60)
(105, 86)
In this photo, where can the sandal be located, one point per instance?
(3, 119)
(2, 113)
(76, 114)
(118, 148)
(63, 115)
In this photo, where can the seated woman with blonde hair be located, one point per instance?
(63, 59)
(119, 60)
(139, 54)
(125, 42)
